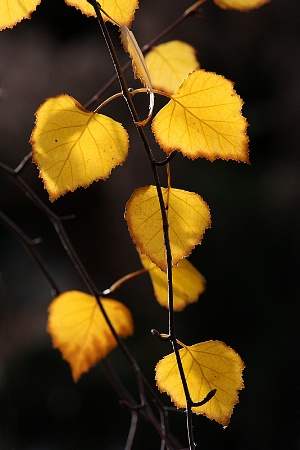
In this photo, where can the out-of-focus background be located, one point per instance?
(250, 257)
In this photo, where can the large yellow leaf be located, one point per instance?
(170, 63)
(78, 328)
(188, 283)
(203, 119)
(207, 366)
(241, 5)
(121, 11)
(13, 11)
(188, 217)
(74, 147)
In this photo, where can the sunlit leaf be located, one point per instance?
(241, 5)
(188, 283)
(207, 366)
(13, 11)
(170, 63)
(78, 328)
(74, 147)
(203, 119)
(188, 217)
(121, 11)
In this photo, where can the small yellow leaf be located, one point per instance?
(121, 11)
(203, 119)
(170, 63)
(207, 366)
(74, 147)
(78, 328)
(188, 283)
(241, 5)
(188, 217)
(13, 11)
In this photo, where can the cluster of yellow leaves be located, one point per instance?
(80, 331)
(207, 366)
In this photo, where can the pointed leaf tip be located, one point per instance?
(73, 147)
(78, 328)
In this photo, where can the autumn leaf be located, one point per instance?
(207, 366)
(74, 147)
(188, 217)
(188, 283)
(13, 11)
(203, 119)
(121, 11)
(78, 328)
(139, 65)
(241, 5)
(170, 63)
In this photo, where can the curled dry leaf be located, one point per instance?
(207, 366)
(170, 63)
(203, 119)
(78, 328)
(74, 147)
(188, 217)
(188, 283)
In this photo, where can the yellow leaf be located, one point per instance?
(203, 119)
(188, 217)
(78, 328)
(170, 63)
(207, 366)
(74, 147)
(241, 5)
(13, 11)
(121, 11)
(188, 283)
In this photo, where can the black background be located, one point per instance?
(250, 257)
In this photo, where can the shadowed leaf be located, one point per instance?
(188, 283)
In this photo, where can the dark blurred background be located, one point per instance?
(250, 257)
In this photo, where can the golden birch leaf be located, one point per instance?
(13, 11)
(203, 119)
(78, 328)
(74, 147)
(120, 11)
(188, 283)
(170, 63)
(188, 217)
(241, 5)
(207, 366)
